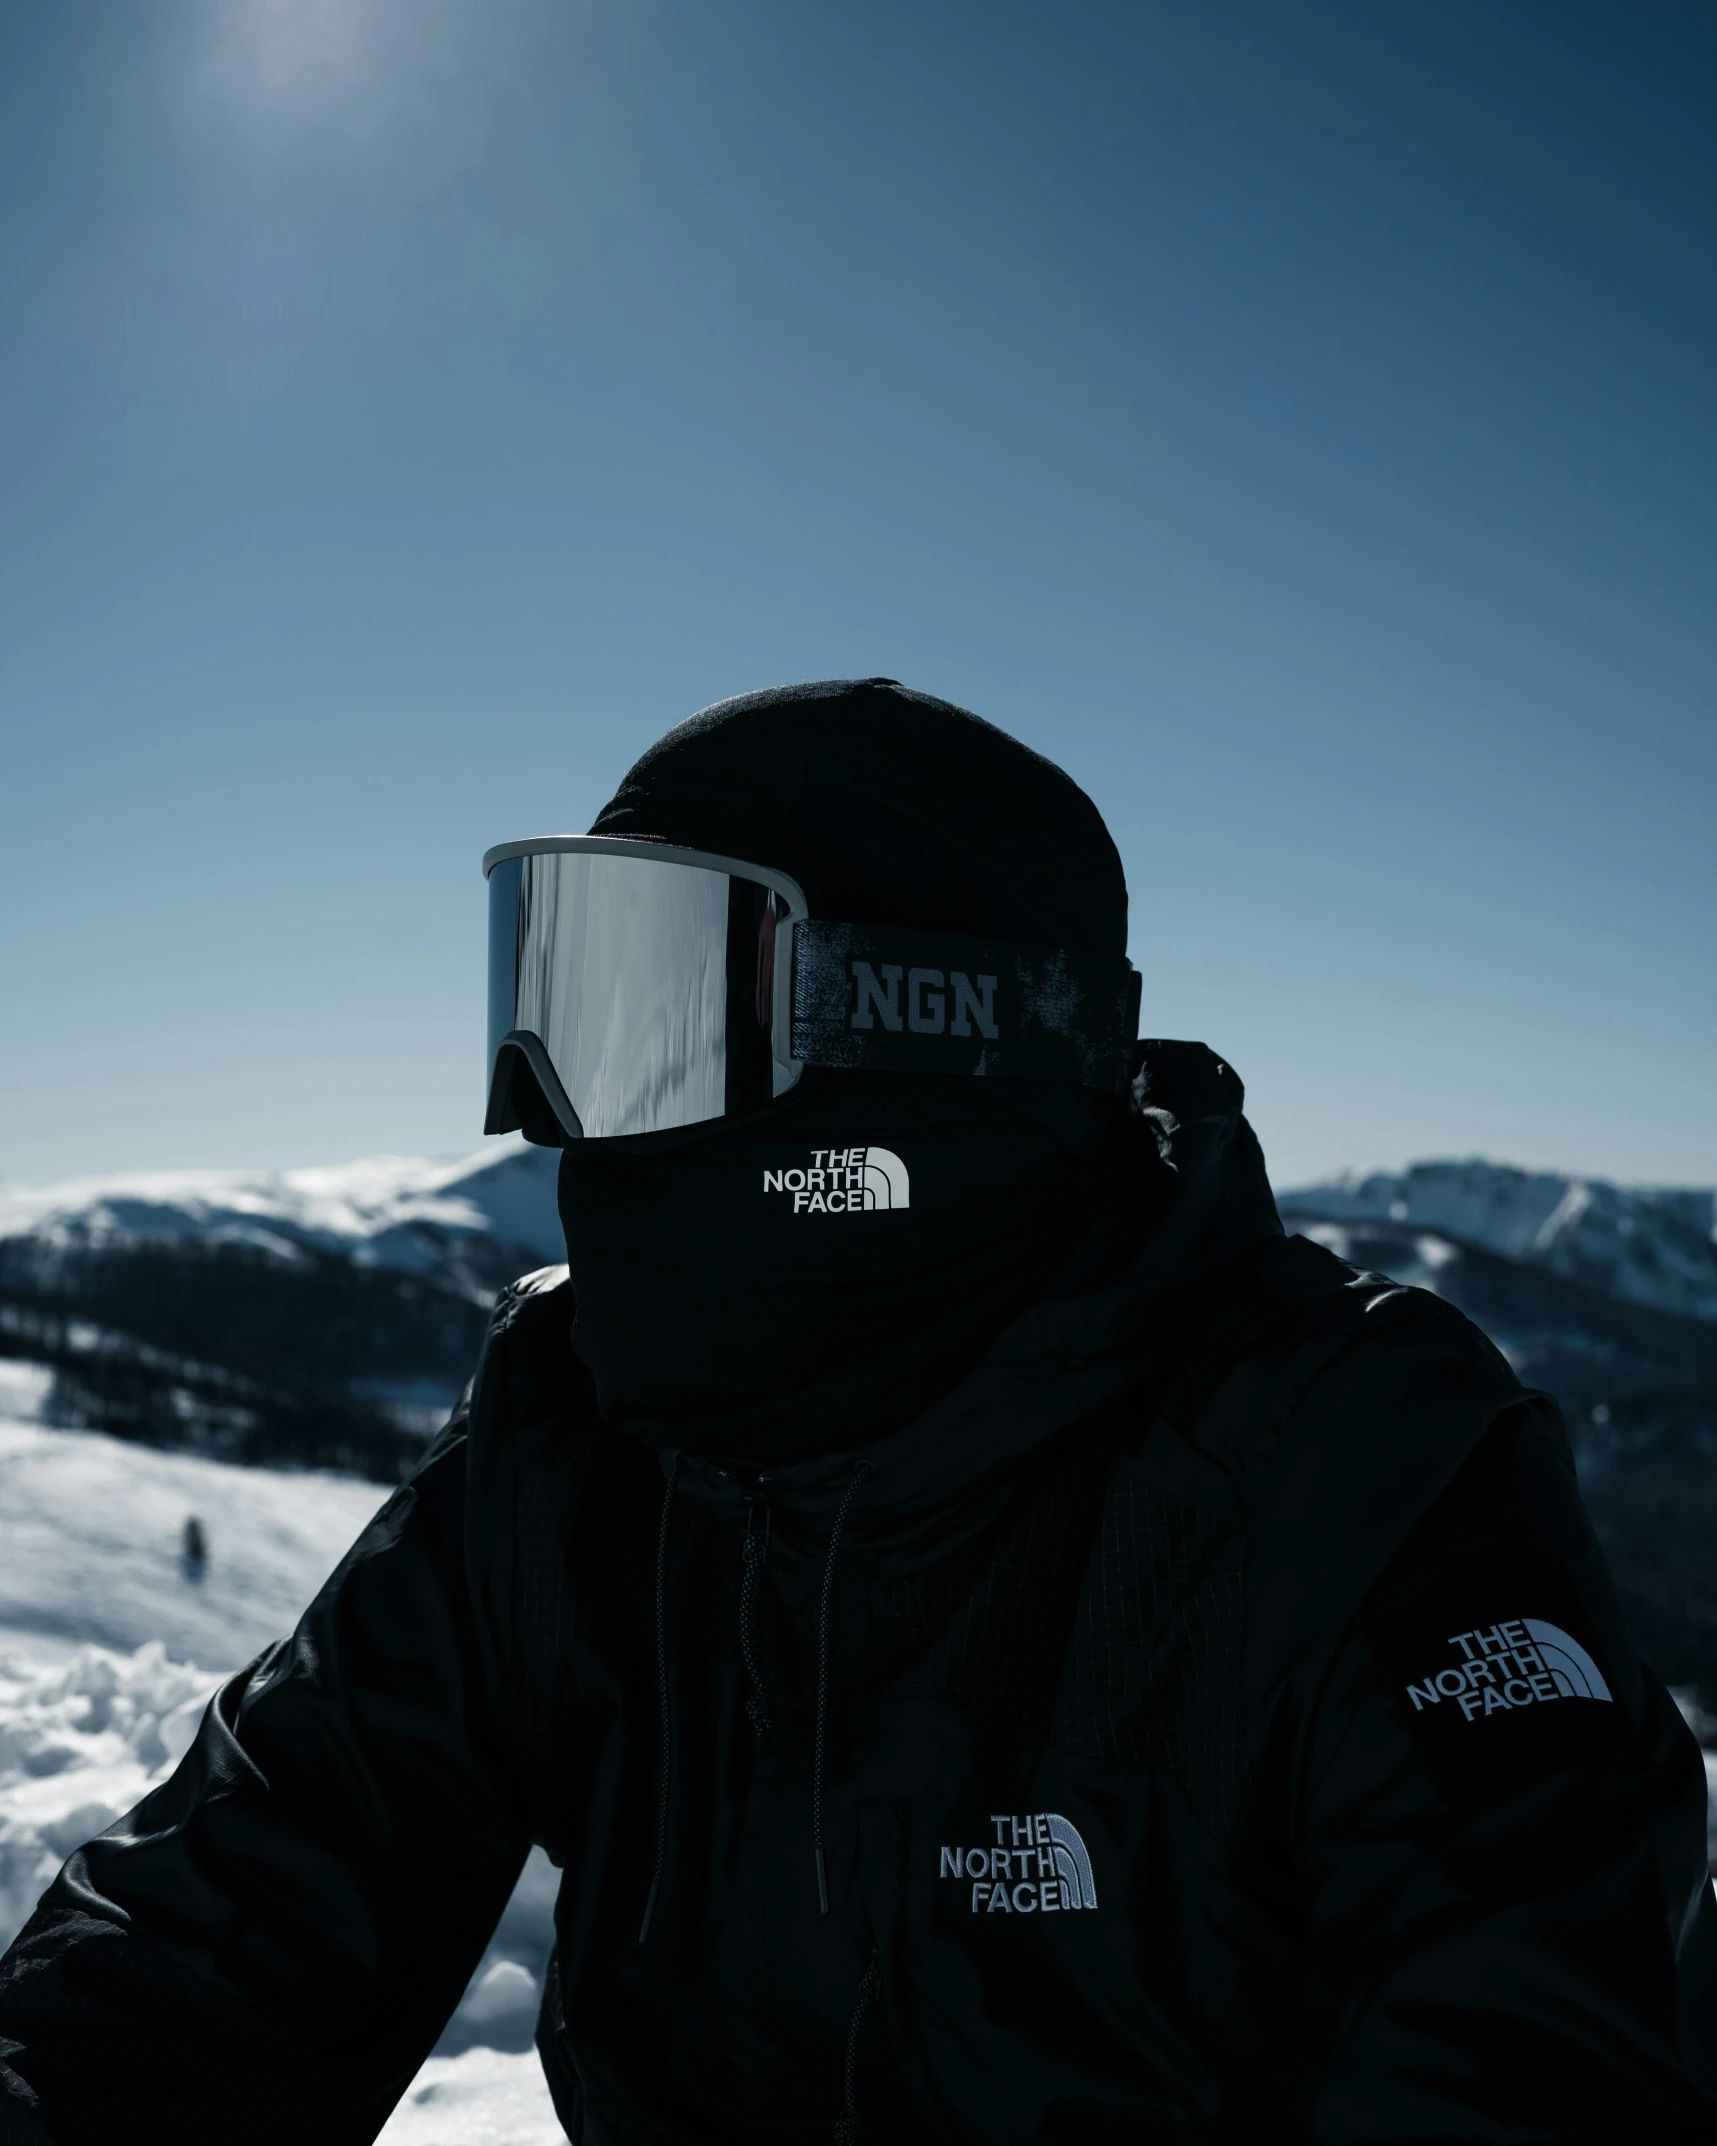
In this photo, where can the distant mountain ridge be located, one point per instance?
(323, 1317)
(1643, 1244)
(435, 1218)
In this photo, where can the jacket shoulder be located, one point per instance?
(545, 1294)
(525, 1356)
(1266, 1384)
(531, 1407)
(1392, 1400)
(1297, 1273)
(527, 1366)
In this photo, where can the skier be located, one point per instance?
(1002, 1643)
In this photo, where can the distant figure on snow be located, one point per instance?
(194, 1549)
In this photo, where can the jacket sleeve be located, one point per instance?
(269, 1944)
(1501, 1845)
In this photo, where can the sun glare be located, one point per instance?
(319, 57)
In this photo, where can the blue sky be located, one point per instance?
(1298, 421)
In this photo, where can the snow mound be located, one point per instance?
(84, 1738)
(484, 2098)
(80, 1742)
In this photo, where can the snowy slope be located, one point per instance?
(110, 1646)
(486, 2097)
(1643, 1245)
(92, 1530)
(109, 1643)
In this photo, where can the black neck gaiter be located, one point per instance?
(773, 1288)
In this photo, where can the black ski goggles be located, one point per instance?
(635, 987)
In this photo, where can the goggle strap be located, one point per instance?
(869, 998)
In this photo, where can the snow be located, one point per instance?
(111, 1644)
(80, 1742)
(24, 1389)
(483, 2098)
(503, 1991)
(92, 1533)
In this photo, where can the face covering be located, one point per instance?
(804, 1280)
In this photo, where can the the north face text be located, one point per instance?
(1036, 1865)
(844, 1181)
(1522, 1662)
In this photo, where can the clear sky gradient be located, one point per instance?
(1298, 420)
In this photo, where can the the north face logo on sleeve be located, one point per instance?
(1504, 1677)
(1525, 1661)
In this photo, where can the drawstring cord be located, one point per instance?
(662, 1723)
(859, 1475)
(756, 1550)
(847, 2126)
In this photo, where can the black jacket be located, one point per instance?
(1209, 1721)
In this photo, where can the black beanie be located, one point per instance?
(888, 807)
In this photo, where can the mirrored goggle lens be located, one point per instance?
(638, 991)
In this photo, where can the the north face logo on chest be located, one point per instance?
(844, 1181)
(1035, 1865)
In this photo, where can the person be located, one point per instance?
(1002, 1643)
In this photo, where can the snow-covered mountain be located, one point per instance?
(1637, 1243)
(456, 1222)
(327, 1317)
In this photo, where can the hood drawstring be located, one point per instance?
(847, 2124)
(756, 1548)
(755, 1551)
(860, 1473)
(663, 1752)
